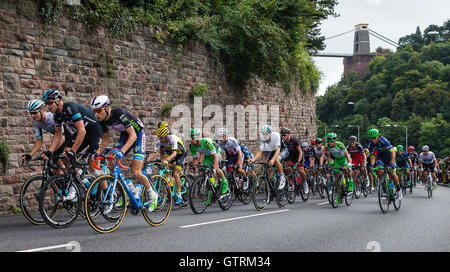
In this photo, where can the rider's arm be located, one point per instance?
(105, 142)
(81, 133)
(172, 156)
(37, 145)
(56, 139)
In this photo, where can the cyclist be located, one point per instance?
(358, 156)
(173, 151)
(414, 160)
(403, 160)
(369, 174)
(306, 154)
(88, 130)
(132, 137)
(43, 120)
(427, 161)
(295, 151)
(339, 157)
(382, 154)
(272, 151)
(318, 153)
(233, 152)
(206, 151)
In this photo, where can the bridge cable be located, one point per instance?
(338, 35)
(384, 40)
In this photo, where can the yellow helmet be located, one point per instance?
(162, 131)
(163, 124)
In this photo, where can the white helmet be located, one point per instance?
(35, 105)
(425, 148)
(221, 131)
(266, 129)
(99, 102)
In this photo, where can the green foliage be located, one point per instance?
(407, 88)
(200, 90)
(4, 153)
(166, 109)
(271, 40)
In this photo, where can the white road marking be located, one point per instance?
(72, 246)
(323, 203)
(231, 219)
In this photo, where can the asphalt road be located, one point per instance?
(422, 224)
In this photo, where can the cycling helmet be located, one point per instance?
(162, 131)
(51, 94)
(99, 102)
(285, 131)
(221, 131)
(266, 129)
(400, 147)
(352, 138)
(195, 134)
(373, 133)
(35, 105)
(331, 137)
(313, 141)
(163, 124)
(318, 141)
(425, 148)
(304, 144)
(411, 148)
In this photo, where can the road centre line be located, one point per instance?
(73, 246)
(322, 203)
(231, 219)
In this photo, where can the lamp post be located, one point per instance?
(336, 126)
(406, 132)
(364, 116)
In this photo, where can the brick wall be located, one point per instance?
(137, 72)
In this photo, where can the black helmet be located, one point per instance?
(319, 141)
(352, 138)
(51, 94)
(285, 131)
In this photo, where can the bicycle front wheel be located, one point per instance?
(261, 193)
(200, 196)
(160, 214)
(383, 195)
(29, 199)
(111, 203)
(55, 208)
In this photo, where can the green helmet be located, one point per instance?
(373, 133)
(399, 147)
(195, 134)
(331, 137)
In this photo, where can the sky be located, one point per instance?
(390, 18)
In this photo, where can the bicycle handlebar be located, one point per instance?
(110, 157)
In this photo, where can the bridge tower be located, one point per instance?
(361, 51)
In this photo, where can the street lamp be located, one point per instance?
(406, 132)
(336, 126)
(364, 116)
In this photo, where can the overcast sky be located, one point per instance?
(390, 18)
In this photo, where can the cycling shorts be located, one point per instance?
(138, 146)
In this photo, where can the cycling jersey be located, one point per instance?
(356, 153)
(382, 151)
(414, 157)
(207, 147)
(402, 160)
(427, 159)
(272, 143)
(292, 144)
(173, 143)
(73, 112)
(336, 152)
(121, 119)
(231, 146)
(48, 125)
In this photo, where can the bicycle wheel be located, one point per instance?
(246, 195)
(261, 193)
(112, 204)
(226, 201)
(383, 195)
(364, 188)
(321, 185)
(200, 195)
(348, 196)
(160, 214)
(282, 195)
(396, 201)
(291, 188)
(357, 189)
(52, 199)
(304, 190)
(334, 195)
(329, 188)
(29, 199)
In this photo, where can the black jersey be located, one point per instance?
(73, 112)
(120, 120)
(292, 145)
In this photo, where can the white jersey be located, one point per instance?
(231, 146)
(271, 144)
(427, 159)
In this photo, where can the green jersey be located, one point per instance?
(207, 147)
(337, 152)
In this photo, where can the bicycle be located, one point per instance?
(316, 182)
(405, 182)
(387, 192)
(205, 190)
(296, 184)
(360, 183)
(237, 181)
(166, 174)
(337, 192)
(112, 202)
(429, 187)
(267, 188)
(32, 188)
(55, 190)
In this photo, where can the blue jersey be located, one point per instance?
(382, 150)
(402, 159)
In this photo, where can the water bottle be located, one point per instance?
(85, 182)
(148, 170)
(239, 182)
(129, 185)
(137, 191)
